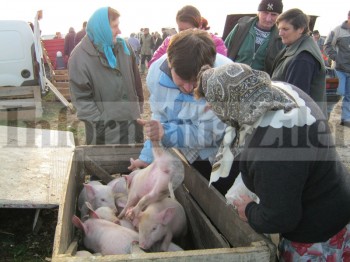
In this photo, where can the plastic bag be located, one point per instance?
(238, 188)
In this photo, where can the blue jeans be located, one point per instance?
(344, 90)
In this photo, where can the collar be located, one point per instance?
(165, 77)
(293, 48)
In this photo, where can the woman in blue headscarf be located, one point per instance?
(105, 83)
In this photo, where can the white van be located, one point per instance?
(17, 54)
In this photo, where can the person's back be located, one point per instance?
(157, 41)
(80, 34)
(60, 63)
(255, 41)
(134, 43)
(337, 48)
(136, 46)
(69, 42)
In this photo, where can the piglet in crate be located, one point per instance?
(108, 214)
(97, 195)
(153, 183)
(105, 237)
(120, 190)
(160, 223)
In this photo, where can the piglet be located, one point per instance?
(97, 195)
(105, 237)
(161, 221)
(153, 183)
(108, 214)
(119, 185)
(120, 190)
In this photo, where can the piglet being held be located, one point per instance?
(153, 183)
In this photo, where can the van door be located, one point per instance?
(17, 54)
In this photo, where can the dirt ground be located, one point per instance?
(19, 242)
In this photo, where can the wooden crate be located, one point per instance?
(60, 79)
(20, 103)
(215, 229)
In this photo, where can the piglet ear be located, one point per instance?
(93, 214)
(77, 222)
(90, 191)
(166, 215)
(89, 206)
(129, 178)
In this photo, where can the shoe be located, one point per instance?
(345, 123)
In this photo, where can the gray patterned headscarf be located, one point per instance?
(240, 95)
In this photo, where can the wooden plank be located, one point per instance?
(121, 151)
(204, 234)
(60, 78)
(59, 95)
(61, 72)
(38, 104)
(95, 169)
(224, 217)
(10, 91)
(17, 103)
(35, 166)
(61, 84)
(256, 252)
(25, 114)
(65, 230)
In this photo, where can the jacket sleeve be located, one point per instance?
(203, 133)
(279, 186)
(220, 45)
(329, 47)
(160, 51)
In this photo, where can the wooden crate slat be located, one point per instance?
(28, 114)
(203, 232)
(61, 72)
(17, 103)
(60, 78)
(10, 91)
(62, 85)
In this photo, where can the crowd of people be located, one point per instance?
(252, 105)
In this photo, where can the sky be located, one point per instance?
(60, 15)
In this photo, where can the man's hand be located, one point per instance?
(153, 129)
(135, 164)
(241, 205)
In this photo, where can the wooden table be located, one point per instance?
(35, 165)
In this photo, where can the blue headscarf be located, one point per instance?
(100, 33)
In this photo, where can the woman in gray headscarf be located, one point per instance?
(284, 151)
